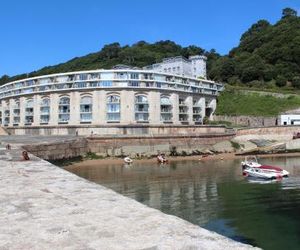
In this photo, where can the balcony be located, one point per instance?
(63, 118)
(166, 111)
(141, 111)
(86, 117)
(86, 111)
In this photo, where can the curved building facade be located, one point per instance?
(107, 97)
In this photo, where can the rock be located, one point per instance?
(293, 145)
(223, 147)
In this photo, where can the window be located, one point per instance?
(165, 109)
(64, 110)
(6, 114)
(94, 76)
(80, 85)
(113, 108)
(105, 84)
(141, 108)
(183, 110)
(16, 112)
(29, 83)
(134, 76)
(82, 77)
(29, 112)
(86, 109)
(133, 84)
(45, 111)
(62, 79)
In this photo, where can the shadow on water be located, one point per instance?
(215, 196)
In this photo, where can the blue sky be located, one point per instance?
(36, 33)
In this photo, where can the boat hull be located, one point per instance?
(266, 175)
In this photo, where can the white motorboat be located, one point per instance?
(250, 161)
(265, 173)
(128, 160)
(254, 169)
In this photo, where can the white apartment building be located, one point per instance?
(107, 97)
(194, 66)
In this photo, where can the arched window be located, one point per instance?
(64, 110)
(16, 112)
(165, 109)
(6, 111)
(197, 110)
(141, 108)
(86, 108)
(29, 112)
(113, 108)
(45, 111)
(183, 109)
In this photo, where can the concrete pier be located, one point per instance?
(46, 207)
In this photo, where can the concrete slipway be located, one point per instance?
(46, 207)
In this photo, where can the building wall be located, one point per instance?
(198, 66)
(195, 66)
(290, 119)
(99, 107)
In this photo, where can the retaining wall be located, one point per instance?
(248, 121)
(113, 129)
(276, 130)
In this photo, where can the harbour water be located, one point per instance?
(214, 195)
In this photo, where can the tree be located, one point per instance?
(288, 12)
(111, 50)
(4, 79)
(281, 81)
(296, 82)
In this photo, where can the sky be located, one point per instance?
(38, 33)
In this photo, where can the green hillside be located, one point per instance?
(267, 55)
(236, 102)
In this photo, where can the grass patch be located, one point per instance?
(232, 102)
(226, 123)
(92, 156)
(235, 145)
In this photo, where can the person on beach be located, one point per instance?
(161, 158)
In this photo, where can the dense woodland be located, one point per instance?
(267, 56)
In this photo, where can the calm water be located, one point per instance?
(215, 196)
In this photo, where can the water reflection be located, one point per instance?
(214, 195)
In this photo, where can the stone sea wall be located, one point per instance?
(134, 146)
(115, 129)
(150, 146)
(59, 149)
